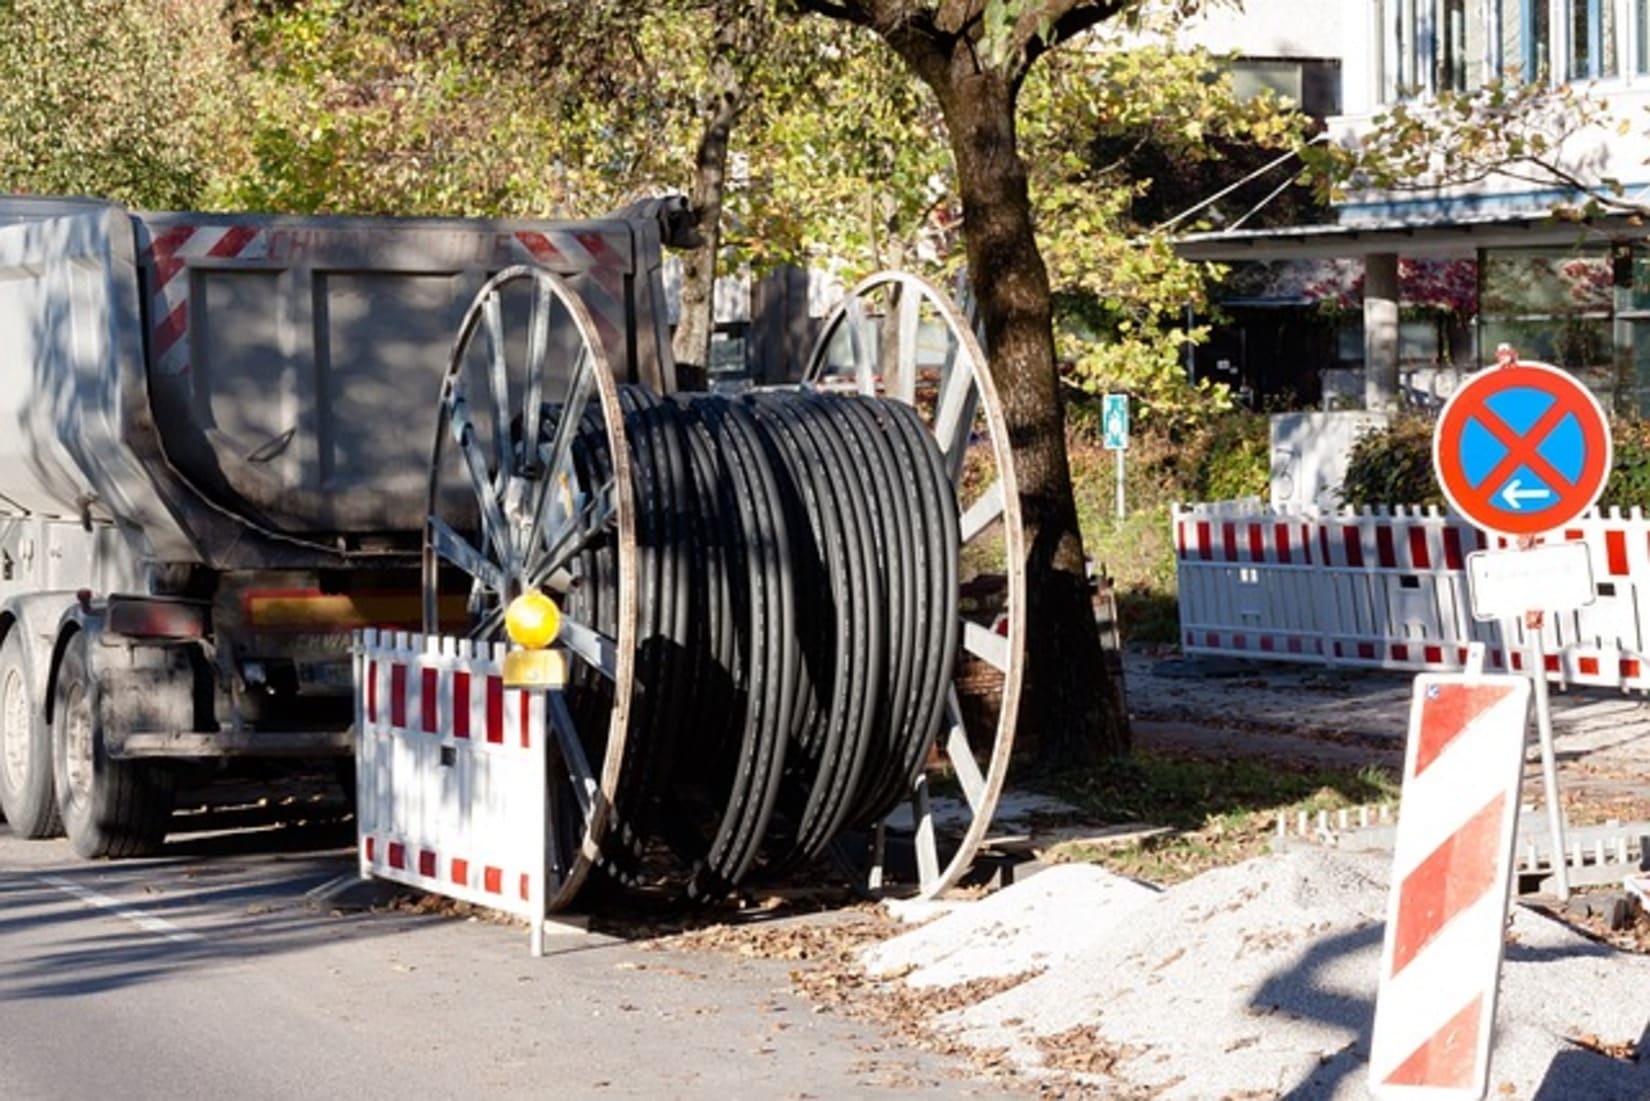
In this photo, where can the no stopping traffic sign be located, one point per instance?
(1522, 449)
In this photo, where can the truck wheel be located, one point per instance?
(109, 807)
(26, 794)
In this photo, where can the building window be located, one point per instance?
(1462, 45)
(1525, 38)
(1434, 46)
(1641, 26)
(1413, 36)
(1592, 39)
(1554, 305)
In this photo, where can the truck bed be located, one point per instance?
(261, 390)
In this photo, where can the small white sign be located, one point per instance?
(1554, 577)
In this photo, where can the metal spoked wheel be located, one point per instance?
(898, 336)
(530, 489)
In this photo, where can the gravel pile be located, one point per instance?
(1045, 922)
(1256, 981)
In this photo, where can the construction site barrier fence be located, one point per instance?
(450, 773)
(1387, 588)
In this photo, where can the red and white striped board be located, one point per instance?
(450, 774)
(1387, 588)
(1451, 872)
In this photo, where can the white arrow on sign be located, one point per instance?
(1515, 494)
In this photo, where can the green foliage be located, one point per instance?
(1218, 458)
(1240, 458)
(1393, 466)
(386, 107)
(1507, 128)
(860, 189)
(1123, 291)
(1629, 483)
(126, 99)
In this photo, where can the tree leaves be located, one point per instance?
(1529, 134)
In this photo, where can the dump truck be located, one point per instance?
(214, 457)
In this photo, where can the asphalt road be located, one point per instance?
(205, 973)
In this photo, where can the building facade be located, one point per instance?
(1571, 291)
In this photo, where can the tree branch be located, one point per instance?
(953, 16)
(1063, 19)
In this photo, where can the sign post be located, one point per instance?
(1521, 450)
(1499, 584)
(1115, 424)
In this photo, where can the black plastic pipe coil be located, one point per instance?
(798, 625)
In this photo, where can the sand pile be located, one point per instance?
(1256, 981)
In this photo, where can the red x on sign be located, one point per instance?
(1522, 449)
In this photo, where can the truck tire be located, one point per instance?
(26, 794)
(110, 808)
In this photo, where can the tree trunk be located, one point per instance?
(1072, 707)
(691, 343)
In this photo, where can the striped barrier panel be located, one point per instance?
(1392, 591)
(1451, 872)
(1251, 585)
(1387, 588)
(450, 773)
(1605, 643)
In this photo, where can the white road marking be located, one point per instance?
(146, 922)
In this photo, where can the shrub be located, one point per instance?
(1218, 459)
(1393, 466)
(1629, 483)
(1234, 459)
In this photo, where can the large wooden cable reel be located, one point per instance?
(896, 335)
(530, 488)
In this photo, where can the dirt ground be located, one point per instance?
(1350, 718)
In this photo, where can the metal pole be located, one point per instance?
(539, 839)
(1549, 767)
(1120, 484)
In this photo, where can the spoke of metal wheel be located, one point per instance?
(985, 511)
(988, 646)
(492, 315)
(954, 415)
(593, 647)
(904, 383)
(572, 751)
(554, 460)
(961, 754)
(584, 525)
(863, 347)
(493, 524)
(925, 842)
(459, 551)
(538, 346)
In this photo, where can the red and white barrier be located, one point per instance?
(1387, 588)
(1452, 868)
(450, 773)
